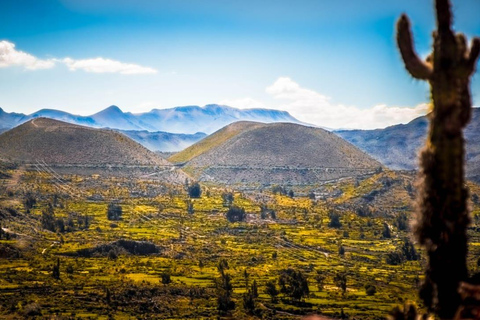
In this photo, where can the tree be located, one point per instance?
(293, 283)
(56, 270)
(271, 290)
(475, 198)
(320, 279)
(29, 201)
(227, 198)
(334, 220)
(245, 276)
(236, 214)
(408, 250)
(249, 298)
(166, 279)
(401, 221)
(194, 190)
(442, 215)
(370, 290)
(48, 218)
(224, 289)
(222, 265)
(386, 234)
(114, 211)
(341, 250)
(254, 289)
(190, 208)
(291, 194)
(340, 280)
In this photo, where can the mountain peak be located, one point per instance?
(113, 109)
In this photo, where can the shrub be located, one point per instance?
(114, 211)
(370, 290)
(236, 214)
(394, 258)
(364, 211)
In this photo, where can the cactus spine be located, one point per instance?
(442, 216)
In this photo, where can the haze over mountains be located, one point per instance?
(184, 120)
(166, 130)
(397, 146)
(276, 153)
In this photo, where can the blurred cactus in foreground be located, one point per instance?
(442, 215)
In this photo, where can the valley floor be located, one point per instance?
(181, 281)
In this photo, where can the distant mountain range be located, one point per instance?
(397, 146)
(163, 141)
(255, 153)
(184, 120)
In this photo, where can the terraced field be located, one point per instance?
(123, 285)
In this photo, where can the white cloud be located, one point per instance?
(9, 56)
(312, 107)
(245, 103)
(102, 65)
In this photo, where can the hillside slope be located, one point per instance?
(56, 142)
(214, 140)
(278, 153)
(397, 146)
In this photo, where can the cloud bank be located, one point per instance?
(315, 108)
(9, 56)
(101, 65)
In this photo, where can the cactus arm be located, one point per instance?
(444, 16)
(414, 65)
(473, 55)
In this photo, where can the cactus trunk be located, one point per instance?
(442, 216)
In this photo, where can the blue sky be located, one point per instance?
(331, 63)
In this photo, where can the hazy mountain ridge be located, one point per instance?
(185, 120)
(163, 141)
(397, 146)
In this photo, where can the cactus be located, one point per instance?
(442, 215)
